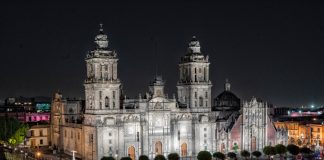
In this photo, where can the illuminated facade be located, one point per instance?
(301, 133)
(153, 123)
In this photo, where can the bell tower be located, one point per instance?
(102, 86)
(194, 86)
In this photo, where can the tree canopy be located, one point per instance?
(143, 157)
(204, 155)
(173, 156)
(245, 153)
(159, 157)
(231, 155)
(269, 150)
(280, 149)
(125, 158)
(13, 131)
(219, 155)
(256, 154)
(107, 158)
(293, 149)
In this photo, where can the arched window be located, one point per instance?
(201, 101)
(107, 101)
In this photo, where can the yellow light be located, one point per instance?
(38, 154)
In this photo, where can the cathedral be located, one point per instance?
(111, 124)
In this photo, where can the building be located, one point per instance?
(39, 136)
(153, 124)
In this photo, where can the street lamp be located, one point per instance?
(38, 154)
(73, 155)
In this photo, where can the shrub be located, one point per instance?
(125, 158)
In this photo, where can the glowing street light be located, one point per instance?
(38, 154)
(312, 106)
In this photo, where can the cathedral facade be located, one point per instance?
(153, 124)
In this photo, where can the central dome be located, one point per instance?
(227, 101)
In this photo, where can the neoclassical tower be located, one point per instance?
(102, 86)
(194, 86)
(102, 99)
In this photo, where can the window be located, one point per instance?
(100, 104)
(90, 138)
(100, 94)
(40, 141)
(318, 129)
(114, 94)
(110, 141)
(106, 102)
(40, 132)
(205, 129)
(110, 149)
(201, 100)
(205, 135)
(32, 133)
(195, 70)
(195, 103)
(195, 94)
(206, 94)
(199, 70)
(109, 133)
(206, 104)
(113, 104)
(205, 141)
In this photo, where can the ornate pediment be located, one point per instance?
(131, 117)
(184, 116)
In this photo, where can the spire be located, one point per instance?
(101, 39)
(194, 45)
(101, 29)
(227, 85)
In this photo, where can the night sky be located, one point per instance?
(272, 50)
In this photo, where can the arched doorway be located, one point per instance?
(223, 148)
(131, 152)
(158, 148)
(253, 146)
(184, 150)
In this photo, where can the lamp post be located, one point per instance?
(38, 154)
(73, 154)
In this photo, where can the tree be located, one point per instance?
(256, 154)
(173, 156)
(204, 155)
(107, 158)
(269, 150)
(280, 149)
(293, 149)
(235, 147)
(231, 155)
(219, 155)
(10, 126)
(306, 152)
(143, 157)
(245, 154)
(125, 158)
(19, 136)
(159, 157)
